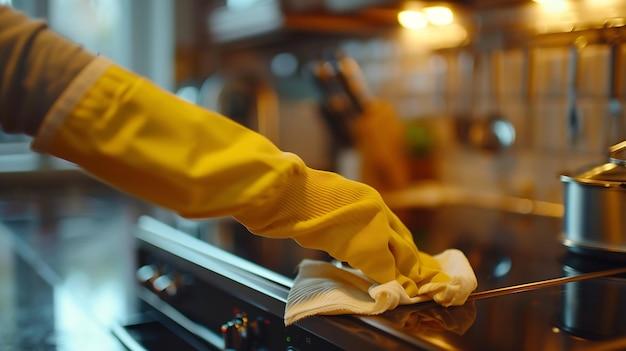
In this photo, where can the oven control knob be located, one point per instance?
(165, 284)
(241, 333)
(147, 273)
(235, 333)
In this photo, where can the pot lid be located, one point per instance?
(612, 173)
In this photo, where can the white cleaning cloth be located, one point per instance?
(323, 288)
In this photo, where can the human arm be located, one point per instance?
(131, 134)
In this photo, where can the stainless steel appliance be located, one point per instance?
(595, 202)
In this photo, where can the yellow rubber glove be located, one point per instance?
(147, 142)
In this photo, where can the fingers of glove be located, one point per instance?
(446, 294)
(414, 268)
(348, 220)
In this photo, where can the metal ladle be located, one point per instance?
(574, 118)
(495, 132)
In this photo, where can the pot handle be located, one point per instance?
(615, 150)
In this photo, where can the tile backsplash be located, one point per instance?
(531, 86)
(516, 63)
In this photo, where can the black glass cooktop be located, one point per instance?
(83, 245)
(583, 315)
(505, 249)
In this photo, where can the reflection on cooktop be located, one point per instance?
(504, 248)
(576, 316)
(593, 309)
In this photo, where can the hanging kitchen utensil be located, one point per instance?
(494, 132)
(594, 221)
(614, 126)
(528, 84)
(573, 115)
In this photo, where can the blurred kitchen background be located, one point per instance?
(494, 96)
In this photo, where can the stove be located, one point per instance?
(226, 290)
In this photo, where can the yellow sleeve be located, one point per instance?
(147, 142)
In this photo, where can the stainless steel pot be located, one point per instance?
(595, 208)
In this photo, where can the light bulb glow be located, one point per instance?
(439, 15)
(412, 19)
(553, 5)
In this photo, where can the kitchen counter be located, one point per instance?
(66, 258)
(68, 262)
